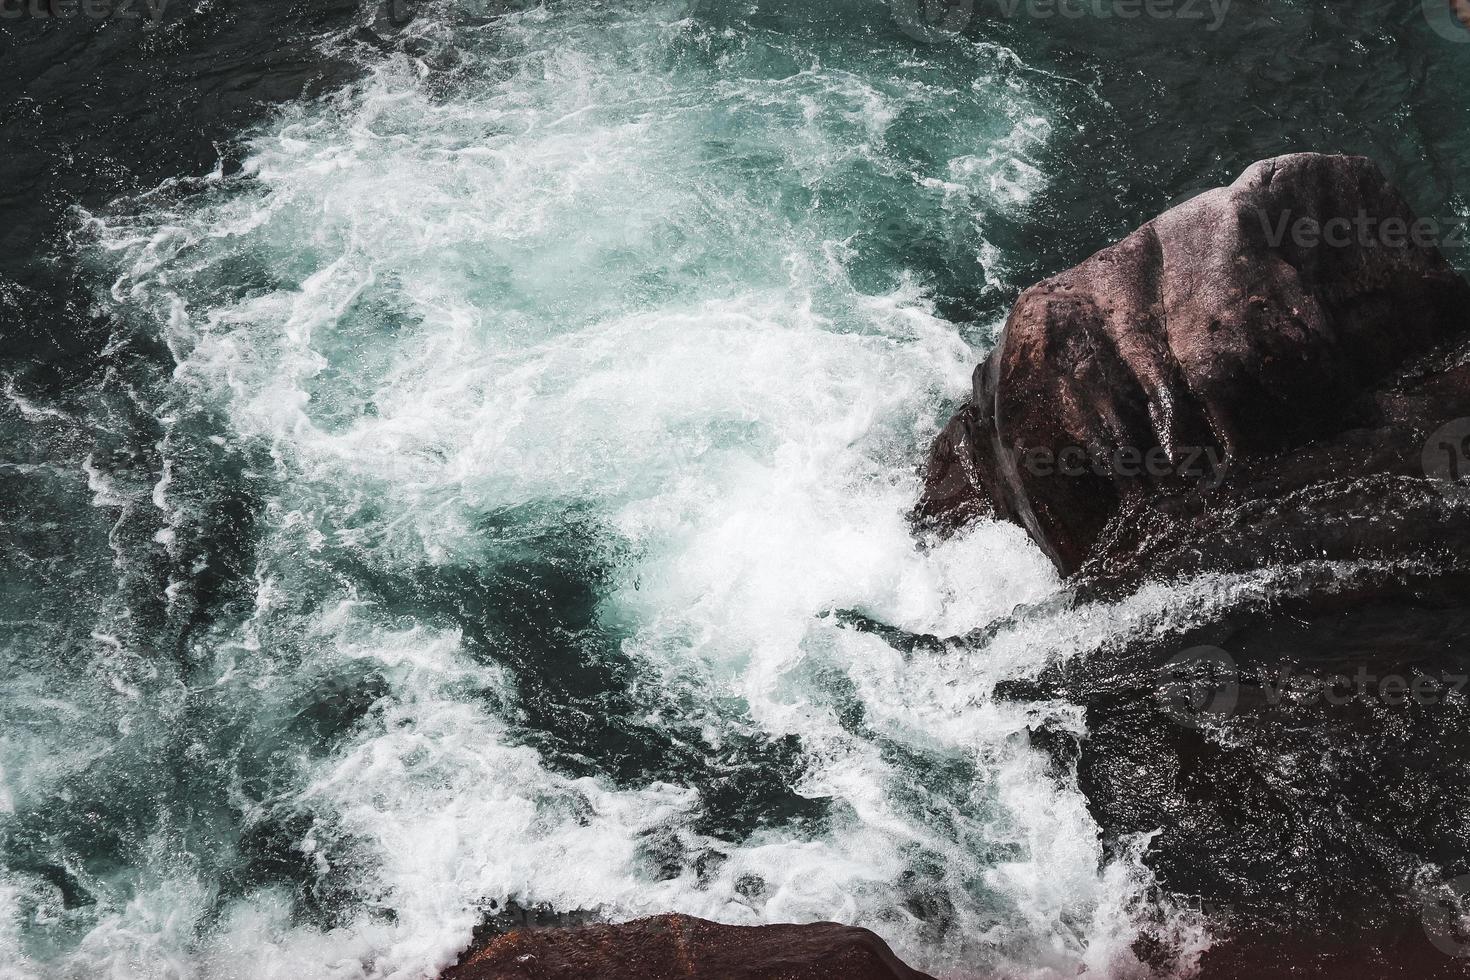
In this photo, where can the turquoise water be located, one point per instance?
(463, 514)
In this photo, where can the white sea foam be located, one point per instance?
(610, 262)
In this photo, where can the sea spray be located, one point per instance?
(561, 379)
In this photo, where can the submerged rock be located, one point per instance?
(1208, 360)
(677, 946)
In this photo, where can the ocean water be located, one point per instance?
(483, 473)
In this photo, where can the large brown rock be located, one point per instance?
(1200, 356)
(675, 946)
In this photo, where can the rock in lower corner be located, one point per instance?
(667, 947)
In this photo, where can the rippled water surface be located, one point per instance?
(463, 509)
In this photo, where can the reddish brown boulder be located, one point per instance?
(1248, 322)
(675, 946)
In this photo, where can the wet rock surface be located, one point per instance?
(1297, 757)
(1255, 341)
(676, 946)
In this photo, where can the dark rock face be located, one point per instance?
(1291, 335)
(1191, 363)
(676, 946)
